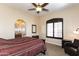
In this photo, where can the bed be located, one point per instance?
(26, 46)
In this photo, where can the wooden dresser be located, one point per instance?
(36, 36)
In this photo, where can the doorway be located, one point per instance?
(20, 28)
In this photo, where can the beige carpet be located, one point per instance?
(54, 50)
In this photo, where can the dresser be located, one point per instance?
(35, 36)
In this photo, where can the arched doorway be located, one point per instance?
(20, 28)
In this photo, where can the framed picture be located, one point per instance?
(34, 29)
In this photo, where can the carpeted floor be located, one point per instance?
(54, 50)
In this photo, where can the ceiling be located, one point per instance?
(51, 6)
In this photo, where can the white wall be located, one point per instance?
(71, 22)
(8, 17)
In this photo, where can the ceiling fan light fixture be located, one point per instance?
(38, 9)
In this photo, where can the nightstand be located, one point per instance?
(43, 40)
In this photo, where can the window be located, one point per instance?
(54, 28)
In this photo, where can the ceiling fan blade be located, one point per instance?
(45, 9)
(32, 9)
(34, 4)
(43, 5)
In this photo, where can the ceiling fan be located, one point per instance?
(39, 7)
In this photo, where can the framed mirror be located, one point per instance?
(34, 28)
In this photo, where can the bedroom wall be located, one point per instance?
(8, 17)
(71, 22)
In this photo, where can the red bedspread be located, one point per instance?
(22, 47)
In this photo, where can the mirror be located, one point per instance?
(33, 28)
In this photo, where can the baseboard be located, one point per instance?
(54, 43)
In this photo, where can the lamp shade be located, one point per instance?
(38, 8)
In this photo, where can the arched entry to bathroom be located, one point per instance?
(20, 28)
